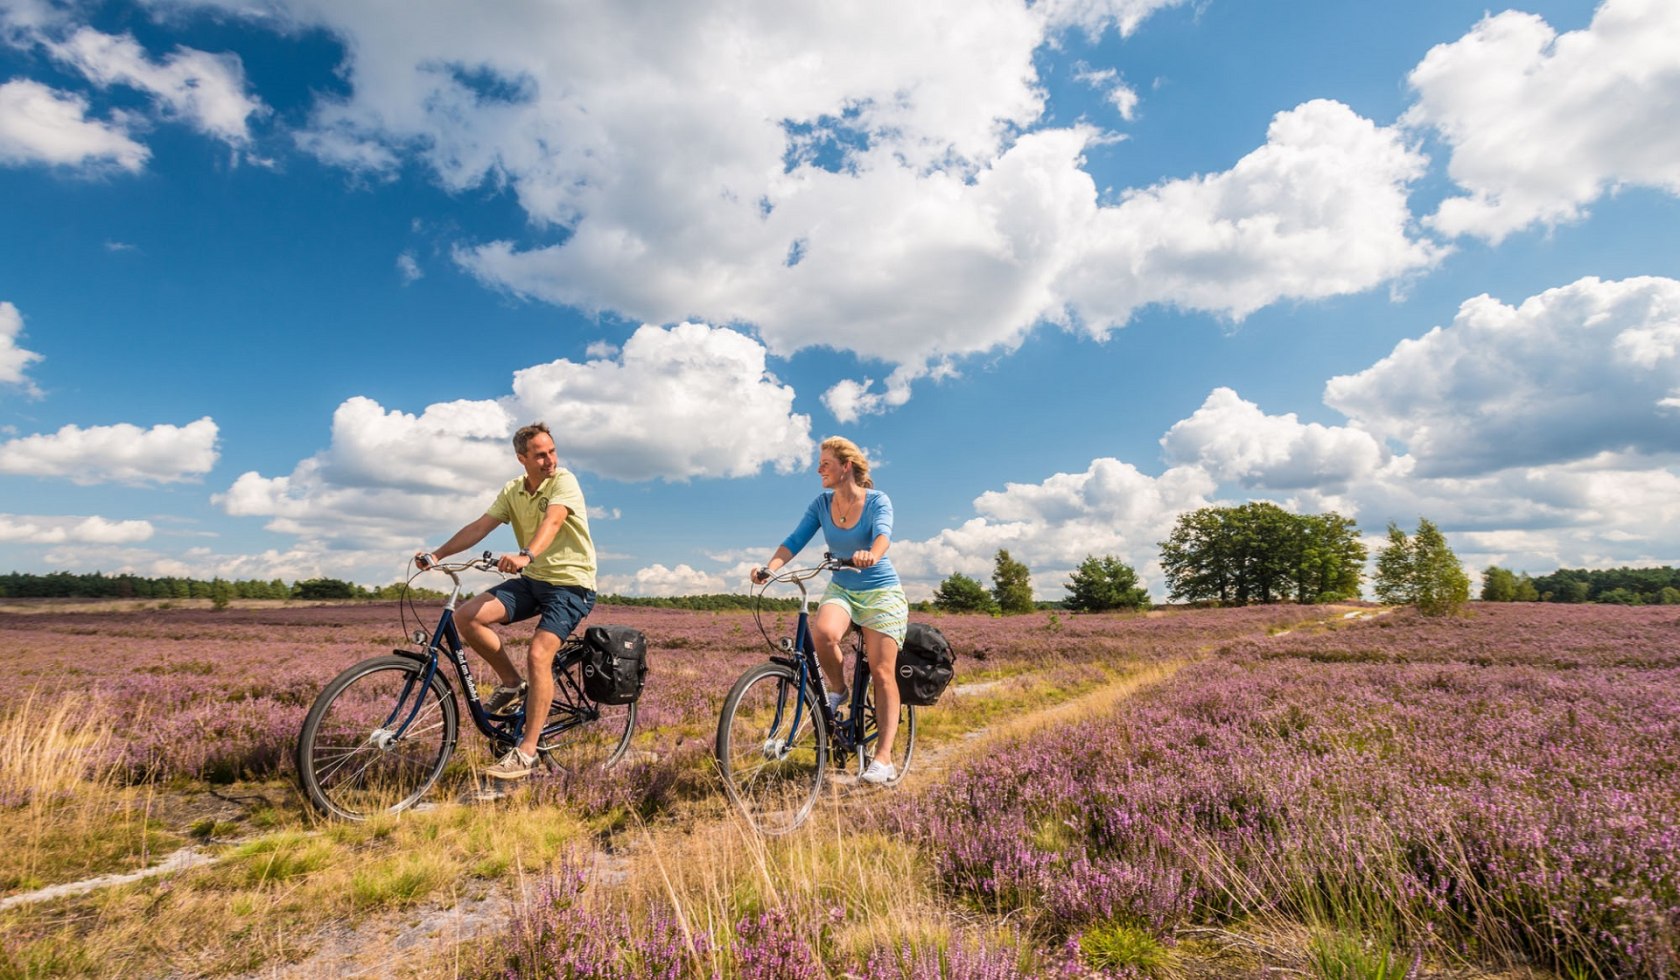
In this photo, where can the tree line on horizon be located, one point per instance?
(1618, 586)
(1258, 553)
(1254, 553)
(98, 585)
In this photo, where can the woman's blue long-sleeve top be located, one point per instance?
(876, 520)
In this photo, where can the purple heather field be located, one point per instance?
(1496, 788)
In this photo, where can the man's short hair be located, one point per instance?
(522, 438)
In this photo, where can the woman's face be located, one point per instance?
(830, 470)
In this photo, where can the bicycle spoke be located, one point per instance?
(350, 764)
(773, 774)
(581, 735)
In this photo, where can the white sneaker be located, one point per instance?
(879, 772)
(834, 699)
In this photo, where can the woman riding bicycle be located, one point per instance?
(856, 521)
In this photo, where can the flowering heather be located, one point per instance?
(558, 936)
(1504, 786)
(562, 934)
(220, 695)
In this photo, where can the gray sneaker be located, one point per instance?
(514, 765)
(503, 698)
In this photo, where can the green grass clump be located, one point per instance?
(1123, 946)
(1347, 956)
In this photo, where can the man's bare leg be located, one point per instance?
(474, 621)
(539, 666)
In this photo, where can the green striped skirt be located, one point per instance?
(882, 610)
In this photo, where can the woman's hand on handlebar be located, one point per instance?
(862, 559)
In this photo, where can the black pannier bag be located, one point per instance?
(614, 663)
(925, 665)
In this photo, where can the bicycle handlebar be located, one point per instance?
(483, 563)
(799, 576)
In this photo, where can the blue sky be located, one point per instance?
(278, 278)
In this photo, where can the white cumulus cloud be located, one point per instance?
(207, 91)
(679, 403)
(42, 125)
(1320, 210)
(1542, 124)
(1574, 371)
(1109, 509)
(14, 359)
(894, 191)
(1237, 442)
(657, 580)
(687, 401)
(79, 530)
(121, 453)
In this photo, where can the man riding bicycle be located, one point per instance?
(554, 573)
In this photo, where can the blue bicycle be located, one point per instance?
(776, 732)
(381, 733)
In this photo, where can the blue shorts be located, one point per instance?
(562, 606)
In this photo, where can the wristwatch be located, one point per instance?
(525, 552)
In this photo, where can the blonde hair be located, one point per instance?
(847, 452)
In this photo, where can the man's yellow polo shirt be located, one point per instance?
(570, 558)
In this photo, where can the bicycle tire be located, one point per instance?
(904, 740)
(772, 778)
(347, 763)
(582, 734)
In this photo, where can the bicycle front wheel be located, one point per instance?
(376, 739)
(583, 735)
(772, 770)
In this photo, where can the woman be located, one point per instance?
(856, 522)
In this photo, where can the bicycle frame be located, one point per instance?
(447, 638)
(845, 733)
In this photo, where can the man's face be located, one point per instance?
(539, 458)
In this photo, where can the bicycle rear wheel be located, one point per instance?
(350, 758)
(771, 770)
(582, 734)
(904, 740)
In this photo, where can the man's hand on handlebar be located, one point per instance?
(424, 560)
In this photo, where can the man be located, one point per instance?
(555, 568)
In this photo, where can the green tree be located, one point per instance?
(1499, 585)
(1421, 571)
(959, 593)
(1332, 558)
(1199, 556)
(1259, 552)
(325, 588)
(1011, 585)
(1104, 583)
